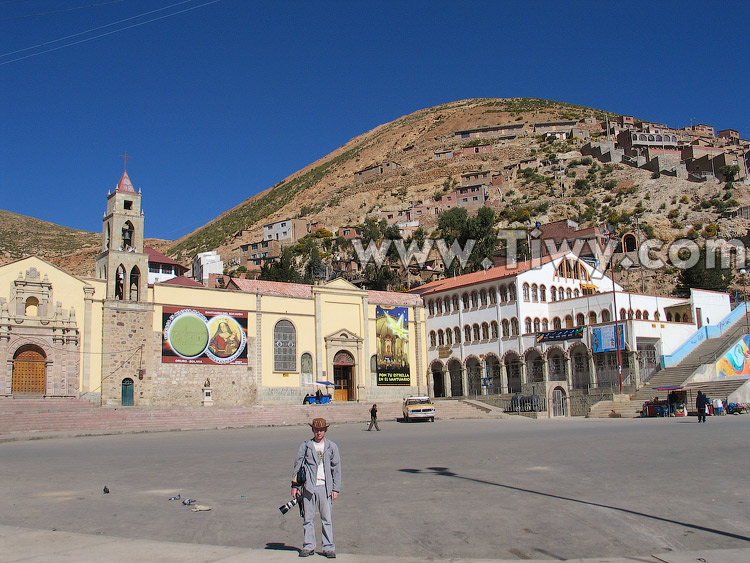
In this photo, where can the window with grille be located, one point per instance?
(284, 347)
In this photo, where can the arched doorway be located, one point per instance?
(579, 363)
(126, 399)
(438, 379)
(492, 366)
(457, 388)
(556, 365)
(29, 371)
(343, 376)
(558, 402)
(535, 367)
(513, 372)
(474, 376)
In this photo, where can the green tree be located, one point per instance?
(314, 269)
(700, 276)
(282, 270)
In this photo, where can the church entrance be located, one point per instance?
(127, 392)
(29, 371)
(343, 376)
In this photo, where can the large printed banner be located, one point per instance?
(392, 325)
(603, 338)
(204, 336)
(736, 362)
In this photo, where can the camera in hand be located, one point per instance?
(291, 504)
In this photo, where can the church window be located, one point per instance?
(32, 307)
(127, 235)
(120, 282)
(128, 204)
(284, 347)
(135, 282)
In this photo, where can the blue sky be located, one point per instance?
(229, 97)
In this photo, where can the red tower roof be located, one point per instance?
(125, 185)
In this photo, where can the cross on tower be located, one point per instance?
(125, 157)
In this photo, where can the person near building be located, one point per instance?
(673, 400)
(321, 461)
(700, 406)
(374, 418)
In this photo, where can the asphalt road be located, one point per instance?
(465, 488)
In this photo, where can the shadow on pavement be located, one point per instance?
(445, 472)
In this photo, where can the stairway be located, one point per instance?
(675, 376)
(74, 416)
(621, 406)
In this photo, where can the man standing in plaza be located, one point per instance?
(322, 482)
(374, 418)
(700, 406)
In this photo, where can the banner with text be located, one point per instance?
(204, 336)
(392, 325)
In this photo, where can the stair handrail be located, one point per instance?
(704, 333)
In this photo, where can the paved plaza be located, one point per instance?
(462, 489)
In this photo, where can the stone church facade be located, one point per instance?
(116, 340)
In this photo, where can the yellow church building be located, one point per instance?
(116, 340)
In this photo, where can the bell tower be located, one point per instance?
(127, 314)
(122, 261)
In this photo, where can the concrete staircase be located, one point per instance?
(74, 416)
(675, 376)
(621, 406)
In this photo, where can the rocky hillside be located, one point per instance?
(552, 182)
(72, 250)
(543, 181)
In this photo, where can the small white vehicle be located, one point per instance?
(418, 408)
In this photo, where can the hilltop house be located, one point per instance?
(377, 170)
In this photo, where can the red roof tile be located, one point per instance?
(125, 185)
(492, 274)
(182, 281)
(156, 257)
(272, 288)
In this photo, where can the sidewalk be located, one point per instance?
(25, 544)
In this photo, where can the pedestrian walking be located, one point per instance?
(374, 418)
(321, 463)
(700, 405)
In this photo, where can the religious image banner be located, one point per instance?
(392, 325)
(204, 336)
(603, 338)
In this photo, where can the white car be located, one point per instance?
(418, 408)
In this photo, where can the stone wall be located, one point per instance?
(581, 403)
(125, 326)
(182, 384)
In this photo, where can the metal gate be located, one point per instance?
(558, 402)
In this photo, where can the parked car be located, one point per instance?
(418, 408)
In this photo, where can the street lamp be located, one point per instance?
(743, 273)
(614, 305)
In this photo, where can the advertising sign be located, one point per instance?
(562, 334)
(603, 338)
(736, 362)
(392, 325)
(203, 336)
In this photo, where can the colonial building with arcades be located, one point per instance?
(547, 328)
